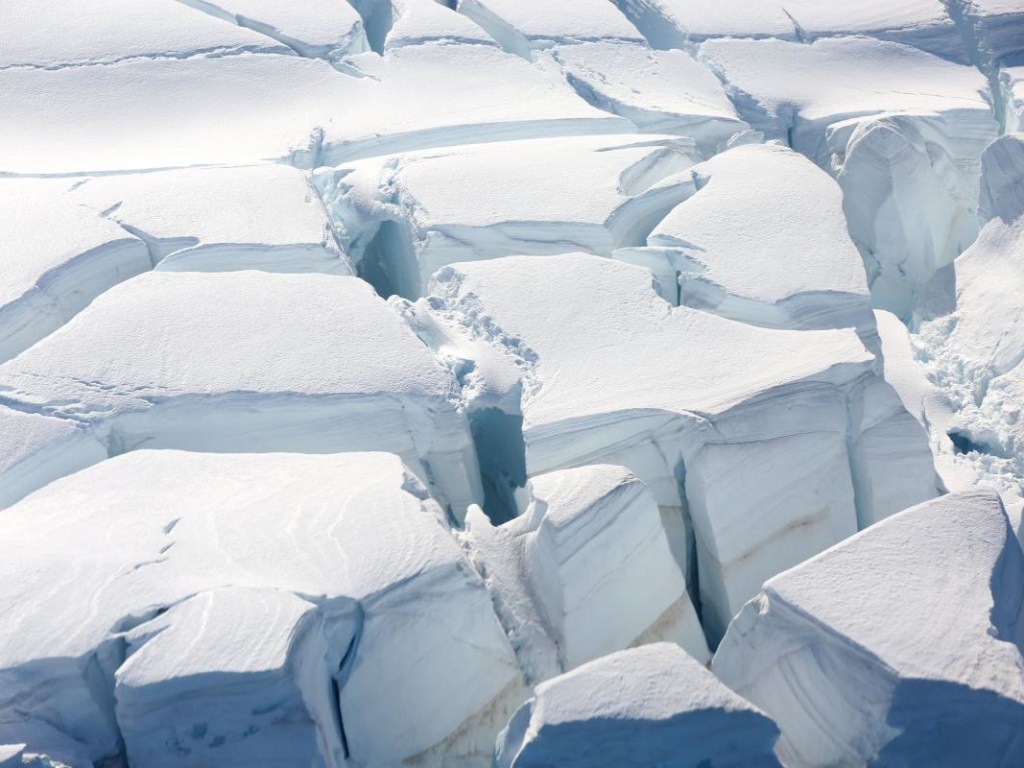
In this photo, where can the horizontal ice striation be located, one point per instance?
(610, 65)
(114, 30)
(321, 29)
(996, 29)
(248, 609)
(741, 246)
(265, 217)
(974, 354)
(585, 570)
(402, 218)
(679, 23)
(901, 645)
(904, 152)
(249, 361)
(57, 256)
(611, 373)
(647, 706)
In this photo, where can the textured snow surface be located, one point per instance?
(379, 376)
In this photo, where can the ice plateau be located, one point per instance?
(494, 383)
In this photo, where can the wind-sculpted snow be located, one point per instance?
(751, 205)
(402, 218)
(594, 366)
(902, 130)
(648, 706)
(899, 646)
(204, 375)
(246, 610)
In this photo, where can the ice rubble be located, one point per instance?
(204, 374)
(740, 245)
(592, 371)
(902, 130)
(402, 218)
(679, 23)
(584, 570)
(246, 609)
(900, 645)
(647, 706)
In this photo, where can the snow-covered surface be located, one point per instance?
(204, 375)
(647, 706)
(593, 366)
(743, 249)
(208, 601)
(900, 645)
(643, 302)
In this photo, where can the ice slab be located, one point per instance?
(676, 23)
(402, 218)
(57, 257)
(901, 129)
(585, 570)
(251, 361)
(421, 21)
(741, 246)
(900, 644)
(255, 107)
(787, 411)
(247, 609)
(653, 705)
(105, 31)
(218, 219)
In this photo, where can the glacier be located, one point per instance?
(468, 383)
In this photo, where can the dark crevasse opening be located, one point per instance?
(501, 451)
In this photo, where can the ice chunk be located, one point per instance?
(211, 219)
(251, 608)
(742, 248)
(112, 30)
(995, 28)
(402, 218)
(1013, 87)
(252, 361)
(905, 151)
(57, 257)
(783, 410)
(421, 21)
(585, 570)
(902, 644)
(647, 706)
(675, 23)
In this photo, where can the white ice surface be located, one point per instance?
(789, 412)
(212, 219)
(743, 248)
(251, 361)
(280, 572)
(57, 256)
(647, 706)
(902, 644)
